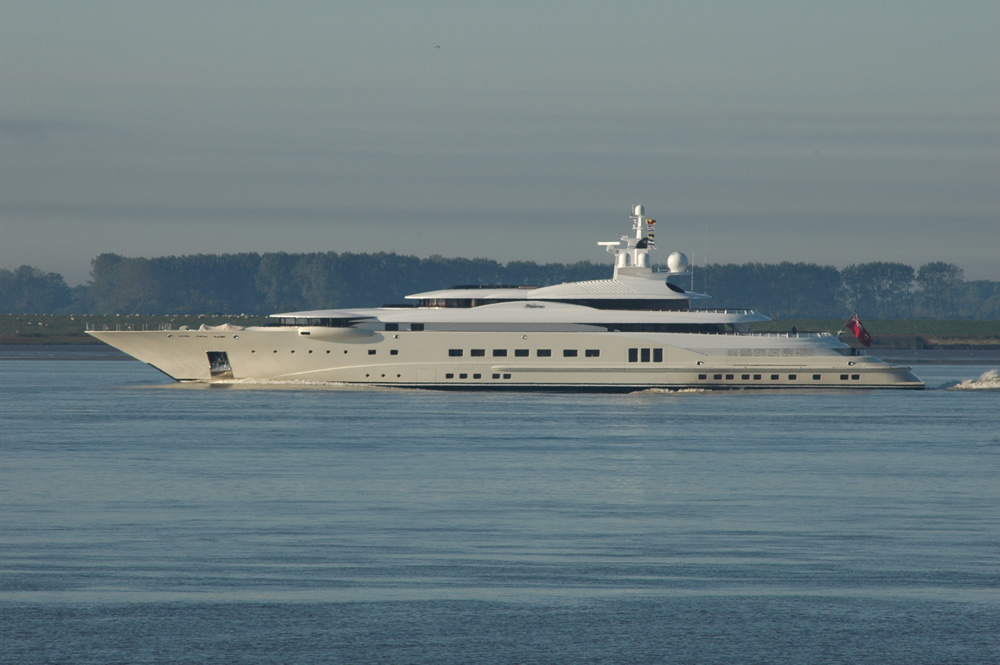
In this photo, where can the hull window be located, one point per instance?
(218, 363)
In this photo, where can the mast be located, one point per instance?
(632, 251)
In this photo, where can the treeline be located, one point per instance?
(262, 283)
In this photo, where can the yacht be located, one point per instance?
(638, 330)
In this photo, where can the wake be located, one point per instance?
(988, 380)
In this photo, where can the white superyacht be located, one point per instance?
(635, 331)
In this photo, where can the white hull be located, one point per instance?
(596, 360)
(632, 332)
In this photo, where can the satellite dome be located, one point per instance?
(677, 262)
(639, 210)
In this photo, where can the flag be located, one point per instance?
(854, 324)
(651, 222)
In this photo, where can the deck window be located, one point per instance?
(392, 326)
(657, 355)
(633, 355)
(544, 353)
(570, 353)
(499, 353)
(455, 353)
(592, 353)
(477, 352)
(416, 326)
(521, 353)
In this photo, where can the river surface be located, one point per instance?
(143, 521)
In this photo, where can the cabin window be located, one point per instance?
(592, 353)
(817, 377)
(477, 352)
(702, 377)
(521, 353)
(745, 377)
(717, 377)
(392, 352)
(496, 376)
(463, 376)
(506, 376)
(644, 355)
(543, 353)
(855, 377)
(729, 377)
(774, 377)
(792, 377)
(416, 326)
(392, 326)
(371, 352)
(756, 377)
(449, 376)
(477, 376)
(657, 355)
(633, 355)
(570, 353)
(499, 353)
(455, 353)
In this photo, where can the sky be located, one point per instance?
(832, 133)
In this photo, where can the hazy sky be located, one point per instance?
(836, 132)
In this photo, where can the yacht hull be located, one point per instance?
(604, 361)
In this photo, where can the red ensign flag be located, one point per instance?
(854, 323)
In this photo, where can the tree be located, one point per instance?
(879, 290)
(939, 287)
(28, 290)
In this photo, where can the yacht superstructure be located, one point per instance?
(634, 331)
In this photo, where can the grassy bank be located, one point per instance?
(904, 333)
(69, 329)
(888, 334)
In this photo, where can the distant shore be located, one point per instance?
(888, 334)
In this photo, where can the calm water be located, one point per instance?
(143, 521)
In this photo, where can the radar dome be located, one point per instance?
(677, 262)
(639, 211)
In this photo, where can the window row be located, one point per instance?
(523, 353)
(463, 375)
(371, 352)
(645, 355)
(773, 377)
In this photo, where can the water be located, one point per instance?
(143, 521)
